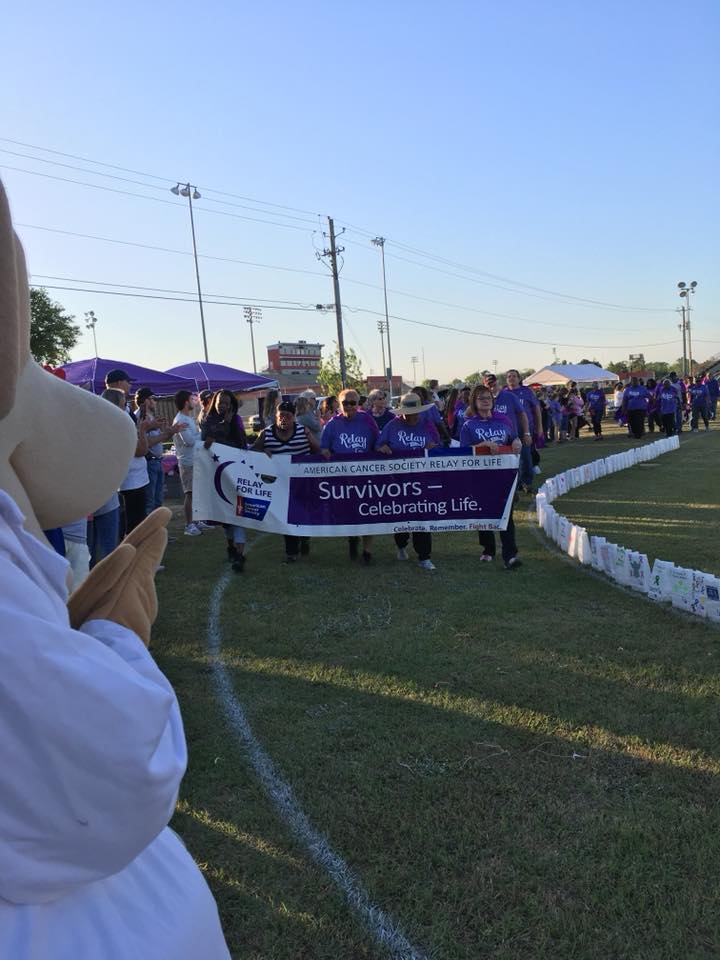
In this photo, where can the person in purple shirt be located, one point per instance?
(408, 431)
(636, 401)
(679, 388)
(350, 432)
(533, 432)
(713, 392)
(668, 402)
(460, 409)
(379, 410)
(595, 405)
(485, 428)
(432, 414)
(699, 403)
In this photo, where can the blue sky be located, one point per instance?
(571, 147)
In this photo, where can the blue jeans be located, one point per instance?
(154, 492)
(234, 533)
(678, 419)
(105, 535)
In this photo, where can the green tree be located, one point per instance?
(661, 368)
(329, 376)
(52, 332)
(472, 378)
(619, 366)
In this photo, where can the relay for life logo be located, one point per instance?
(251, 490)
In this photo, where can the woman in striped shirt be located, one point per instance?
(286, 436)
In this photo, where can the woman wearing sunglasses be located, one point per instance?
(484, 426)
(350, 432)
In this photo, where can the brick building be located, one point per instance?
(295, 366)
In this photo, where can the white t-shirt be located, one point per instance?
(93, 753)
(187, 439)
(137, 475)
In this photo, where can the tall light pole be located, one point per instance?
(681, 326)
(414, 362)
(381, 330)
(191, 192)
(685, 291)
(252, 315)
(380, 242)
(90, 321)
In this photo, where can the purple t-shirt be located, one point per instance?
(342, 435)
(636, 398)
(507, 406)
(698, 394)
(528, 401)
(432, 415)
(384, 418)
(595, 399)
(668, 401)
(400, 436)
(494, 430)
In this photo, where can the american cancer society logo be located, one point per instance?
(251, 508)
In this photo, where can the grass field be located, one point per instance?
(516, 765)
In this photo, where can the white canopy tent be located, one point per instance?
(560, 374)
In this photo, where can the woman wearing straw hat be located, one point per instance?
(407, 432)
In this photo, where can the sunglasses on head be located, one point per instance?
(349, 403)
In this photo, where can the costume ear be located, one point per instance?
(12, 328)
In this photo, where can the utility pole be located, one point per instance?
(686, 290)
(252, 315)
(380, 242)
(681, 326)
(414, 362)
(333, 254)
(381, 329)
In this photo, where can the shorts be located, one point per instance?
(186, 477)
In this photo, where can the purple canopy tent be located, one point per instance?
(215, 376)
(90, 374)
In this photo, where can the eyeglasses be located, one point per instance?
(349, 403)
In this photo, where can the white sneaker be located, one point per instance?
(201, 525)
(427, 565)
(402, 554)
(192, 530)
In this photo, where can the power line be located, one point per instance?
(142, 196)
(133, 286)
(421, 323)
(184, 253)
(153, 176)
(149, 296)
(567, 298)
(551, 297)
(312, 273)
(552, 293)
(479, 310)
(149, 186)
(495, 336)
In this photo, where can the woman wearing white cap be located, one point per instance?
(405, 433)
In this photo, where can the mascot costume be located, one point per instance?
(91, 738)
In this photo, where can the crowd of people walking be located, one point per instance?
(512, 416)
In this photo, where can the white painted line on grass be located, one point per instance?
(382, 927)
